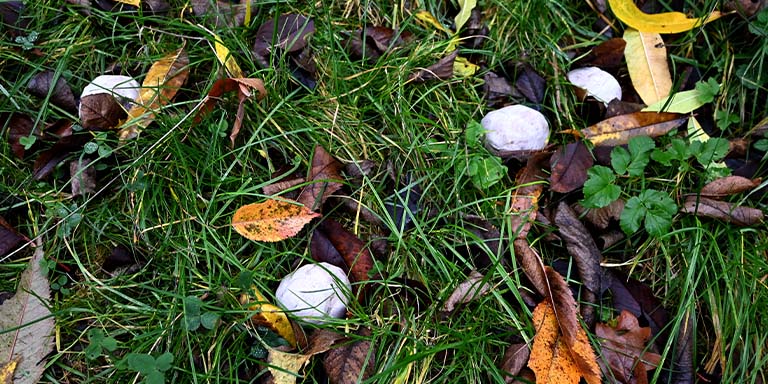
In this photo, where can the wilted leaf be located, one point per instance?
(373, 42)
(289, 33)
(357, 257)
(497, 88)
(271, 220)
(530, 83)
(441, 70)
(100, 111)
(721, 210)
(607, 55)
(269, 315)
(470, 289)
(351, 363)
(667, 22)
(683, 361)
(618, 130)
(624, 348)
(61, 95)
(324, 179)
(532, 266)
(515, 358)
(163, 81)
(31, 322)
(569, 166)
(10, 239)
(646, 57)
(601, 217)
(243, 86)
(427, 18)
(729, 185)
(525, 198)
(464, 68)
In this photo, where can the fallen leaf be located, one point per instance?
(284, 367)
(497, 89)
(683, 361)
(624, 346)
(532, 266)
(618, 130)
(243, 86)
(465, 11)
(488, 250)
(680, 102)
(581, 247)
(462, 67)
(441, 70)
(370, 43)
(100, 111)
(525, 198)
(47, 161)
(31, 323)
(638, 298)
(601, 217)
(427, 18)
(324, 179)
(470, 289)
(268, 315)
(10, 239)
(515, 358)
(721, 210)
(8, 370)
(222, 13)
(475, 31)
(530, 83)
(271, 220)
(82, 177)
(351, 363)
(225, 58)
(403, 204)
(607, 55)
(667, 22)
(646, 57)
(289, 33)
(61, 95)
(163, 81)
(356, 256)
(746, 8)
(569, 166)
(729, 185)
(19, 125)
(135, 3)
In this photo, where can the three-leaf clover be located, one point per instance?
(98, 342)
(195, 317)
(152, 368)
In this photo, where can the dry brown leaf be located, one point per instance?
(721, 210)
(324, 177)
(624, 347)
(607, 55)
(351, 363)
(515, 359)
(163, 81)
(646, 57)
(581, 247)
(532, 266)
(525, 198)
(618, 130)
(356, 255)
(271, 220)
(61, 95)
(441, 70)
(243, 86)
(729, 185)
(569, 167)
(601, 217)
(10, 239)
(373, 42)
(470, 289)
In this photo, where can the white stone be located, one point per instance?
(515, 128)
(125, 89)
(597, 83)
(315, 292)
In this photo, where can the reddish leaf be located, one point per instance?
(569, 167)
(324, 177)
(721, 210)
(351, 363)
(618, 130)
(20, 125)
(532, 266)
(243, 87)
(271, 220)
(10, 239)
(607, 55)
(441, 70)
(357, 257)
(624, 347)
(729, 185)
(525, 198)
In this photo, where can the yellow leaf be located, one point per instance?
(667, 22)
(163, 81)
(247, 18)
(7, 370)
(271, 220)
(647, 64)
(465, 12)
(135, 3)
(284, 366)
(426, 17)
(619, 129)
(269, 315)
(224, 56)
(463, 67)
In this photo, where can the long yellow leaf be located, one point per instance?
(464, 13)
(225, 57)
(647, 64)
(667, 22)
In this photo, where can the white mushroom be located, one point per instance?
(315, 292)
(515, 128)
(596, 83)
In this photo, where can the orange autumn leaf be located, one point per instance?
(551, 358)
(271, 220)
(619, 129)
(525, 198)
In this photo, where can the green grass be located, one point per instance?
(169, 195)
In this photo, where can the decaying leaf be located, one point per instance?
(581, 247)
(470, 289)
(31, 322)
(324, 177)
(569, 167)
(525, 198)
(532, 266)
(441, 70)
(82, 176)
(47, 161)
(221, 12)
(356, 255)
(225, 58)
(497, 89)
(624, 348)
(618, 130)
(244, 88)
(515, 358)
(530, 83)
(285, 367)
(667, 22)
(370, 43)
(10, 239)
(271, 220)
(601, 217)
(646, 57)
(607, 55)
(351, 363)
(268, 315)
(19, 125)
(8, 370)
(61, 95)
(721, 210)
(163, 81)
(729, 185)
(286, 34)
(638, 298)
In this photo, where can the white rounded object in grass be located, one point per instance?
(124, 88)
(515, 128)
(596, 83)
(315, 292)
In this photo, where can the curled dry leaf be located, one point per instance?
(271, 220)
(470, 289)
(601, 217)
(61, 95)
(624, 346)
(324, 178)
(647, 65)
(721, 210)
(532, 266)
(351, 363)
(441, 70)
(581, 247)
(729, 185)
(525, 198)
(244, 88)
(569, 166)
(667, 22)
(618, 130)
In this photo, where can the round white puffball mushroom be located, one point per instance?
(515, 129)
(596, 83)
(123, 88)
(315, 292)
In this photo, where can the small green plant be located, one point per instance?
(27, 42)
(60, 285)
(98, 343)
(483, 168)
(650, 208)
(195, 317)
(152, 368)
